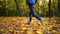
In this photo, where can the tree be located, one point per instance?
(17, 6)
(4, 8)
(49, 8)
(59, 5)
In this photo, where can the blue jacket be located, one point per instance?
(31, 1)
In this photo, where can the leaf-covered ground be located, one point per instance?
(17, 25)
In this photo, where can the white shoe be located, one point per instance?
(42, 20)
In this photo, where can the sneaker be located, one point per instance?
(42, 19)
(29, 23)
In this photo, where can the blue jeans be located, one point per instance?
(32, 13)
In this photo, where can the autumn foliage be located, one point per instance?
(17, 25)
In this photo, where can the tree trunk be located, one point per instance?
(49, 8)
(59, 6)
(17, 6)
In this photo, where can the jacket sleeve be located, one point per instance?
(36, 1)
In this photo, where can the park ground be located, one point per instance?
(17, 25)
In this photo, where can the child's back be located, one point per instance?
(31, 1)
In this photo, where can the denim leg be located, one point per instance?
(30, 17)
(30, 14)
(33, 13)
(38, 17)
